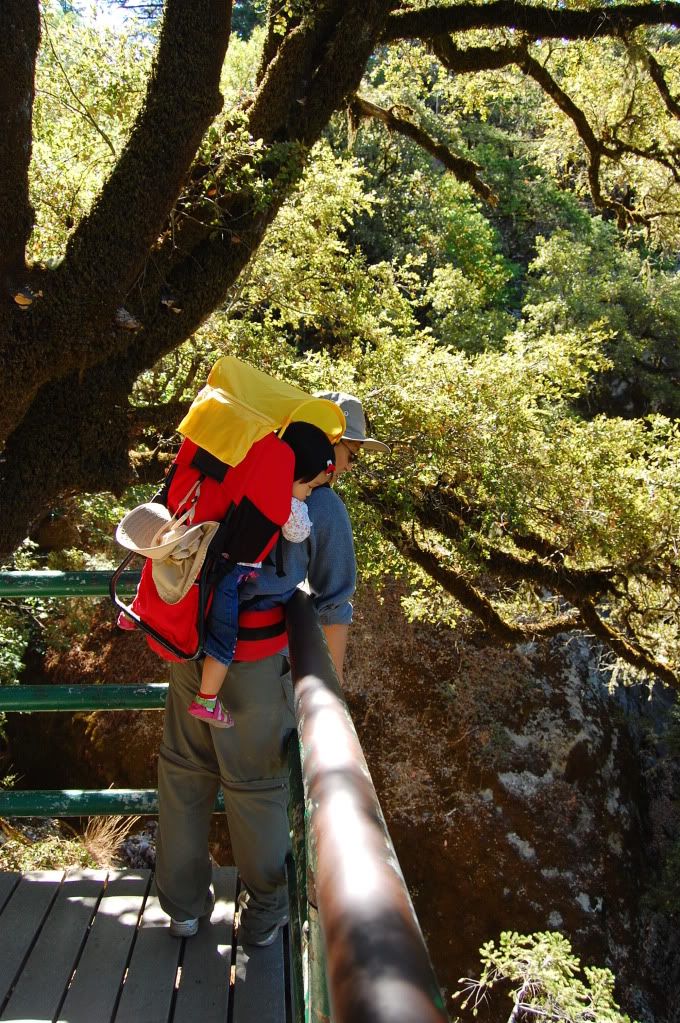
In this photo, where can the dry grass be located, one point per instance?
(104, 836)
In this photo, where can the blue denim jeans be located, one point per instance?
(220, 640)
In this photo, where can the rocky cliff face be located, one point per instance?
(525, 789)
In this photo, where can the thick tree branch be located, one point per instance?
(536, 22)
(337, 75)
(19, 40)
(74, 439)
(629, 652)
(478, 58)
(463, 170)
(109, 247)
(584, 614)
(595, 147)
(439, 509)
(471, 59)
(204, 257)
(656, 74)
(456, 584)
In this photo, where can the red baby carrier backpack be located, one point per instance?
(247, 497)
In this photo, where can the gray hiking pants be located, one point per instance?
(249, 762)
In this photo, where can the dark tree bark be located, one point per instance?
(537, 22)
(20, 30)
(110, 245)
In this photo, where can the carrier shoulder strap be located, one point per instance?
(209, 465)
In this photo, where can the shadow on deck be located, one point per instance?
(93, 946)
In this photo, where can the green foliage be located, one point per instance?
(246, 15)
(44, 847)
(522, 359)
(90, 83)
(13, 642)
(51, 854)
(592, 280)
(545, 980)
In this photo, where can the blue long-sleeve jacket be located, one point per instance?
(326, 560)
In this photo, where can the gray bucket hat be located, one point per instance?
(355, 419)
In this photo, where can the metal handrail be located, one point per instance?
(40, 698)
(82, 802)
(47, 583)
(377, 965)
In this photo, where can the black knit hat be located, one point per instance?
(312, 448)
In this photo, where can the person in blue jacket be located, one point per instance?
(248, 761)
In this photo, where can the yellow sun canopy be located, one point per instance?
(240, 404)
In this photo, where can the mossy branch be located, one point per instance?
(463, 169)
(535, 20)
(657, 75)
(630, 652)
(109, 247)
(481, 58)
(471, 598)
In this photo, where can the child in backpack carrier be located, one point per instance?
(314, 466)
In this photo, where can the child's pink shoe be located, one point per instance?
(218, 717)
(125, 623)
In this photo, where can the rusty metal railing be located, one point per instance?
(377, 966)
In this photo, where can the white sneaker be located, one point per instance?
(184, 928)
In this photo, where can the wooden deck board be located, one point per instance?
(150, 983)
(95, 946)
(206, 965)
(8, 883)
(259, 992)
(48, 969)
(98, 978)
(21, 920)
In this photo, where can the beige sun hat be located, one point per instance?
(175, 574)
(355, 419)
(150, 530)
(177, 551)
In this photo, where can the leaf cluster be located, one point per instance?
(546, 979)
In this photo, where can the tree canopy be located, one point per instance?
(466, 213)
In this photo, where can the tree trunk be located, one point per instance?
(65, 423)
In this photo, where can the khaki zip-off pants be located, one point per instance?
(249, 762)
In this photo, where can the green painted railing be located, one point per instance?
(81, 802)
(41, 698)
(63, 584)
(90, 697)
(358, 952)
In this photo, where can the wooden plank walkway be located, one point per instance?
(86, 946)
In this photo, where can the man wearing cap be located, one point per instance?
(249, 760)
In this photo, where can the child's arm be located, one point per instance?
(299, 526)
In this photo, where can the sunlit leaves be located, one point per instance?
(546, 981)
(90, 82)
